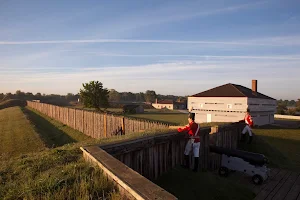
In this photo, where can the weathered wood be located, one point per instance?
(134, 184)
(258, 188)
(279, 185)
(271, 185)
(295, 191)
(105, 125)
(282, 193)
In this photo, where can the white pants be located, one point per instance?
(192, 146)
(247, 128)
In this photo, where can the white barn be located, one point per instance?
(229, 103)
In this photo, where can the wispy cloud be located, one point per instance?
(270, 41)
(271, 57)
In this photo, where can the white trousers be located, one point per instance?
(192, 146)
(247, 128)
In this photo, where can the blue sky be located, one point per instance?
(172, 47)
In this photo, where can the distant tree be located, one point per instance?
(114, 95)
(281, 109)
(19, 94)
(1, 96)
(291, 112)
(139, 97)
(29, 96)
(94, 95)
(298, 105)
(150, 96)
(38, 95)
(70, 97)
(292, 103)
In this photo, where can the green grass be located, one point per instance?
(30, 170)
(187, 185)
(281, 146)
(59, 173)
(176, 118)
(53, 133)
(17, 135)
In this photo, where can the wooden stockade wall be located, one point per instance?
(154, 155)
(226, 136)
(93, 124)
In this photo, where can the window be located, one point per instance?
(238, 104)
(229, 106)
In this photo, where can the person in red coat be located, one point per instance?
(249, 123)
(193, 144)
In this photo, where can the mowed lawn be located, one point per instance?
(46, 173)
(17, 135)
(280, 145)
(172, 117)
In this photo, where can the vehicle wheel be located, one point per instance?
(223, 171)
(257, 179)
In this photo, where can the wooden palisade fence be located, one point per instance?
(154, 155)
(93, 124)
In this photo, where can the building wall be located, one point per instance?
(232, 109)
(160, 106)
(267, 105)
(218, 103)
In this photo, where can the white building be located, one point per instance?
(229, 103)
(169, 104)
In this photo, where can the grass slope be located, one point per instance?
(53, 133)
(59, 173)
(281, 146)
(33, 171)
(17, 136)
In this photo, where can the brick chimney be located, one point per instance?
(254, 86)
(156, 100)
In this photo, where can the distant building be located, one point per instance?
(169, 104)
(133, 109)
(229, 103)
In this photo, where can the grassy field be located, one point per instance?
(17, 135)
(29, 169)
(281, 146)
(53, 133)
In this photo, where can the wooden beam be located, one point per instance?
(133, 183)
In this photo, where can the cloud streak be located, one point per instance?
(271, 41)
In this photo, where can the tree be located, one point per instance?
(139, 97)
(70, 97)
(1, 96)
(150, 96)
(94, 95)
(114, 95)
(281, 109)
(20, 94)
(298, 105)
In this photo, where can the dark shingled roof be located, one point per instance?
(231, 90)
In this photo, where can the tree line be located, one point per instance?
(286, 107)
(92, 94)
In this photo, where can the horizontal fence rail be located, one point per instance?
(93, 124)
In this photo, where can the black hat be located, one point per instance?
(192, 116)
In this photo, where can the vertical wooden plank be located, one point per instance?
(105, 125)
(123, 125)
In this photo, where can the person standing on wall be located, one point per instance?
(249, 123)
(193, 130)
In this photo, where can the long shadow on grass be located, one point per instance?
(281, 153)
(50, 134)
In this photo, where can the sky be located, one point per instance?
(171, 47)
